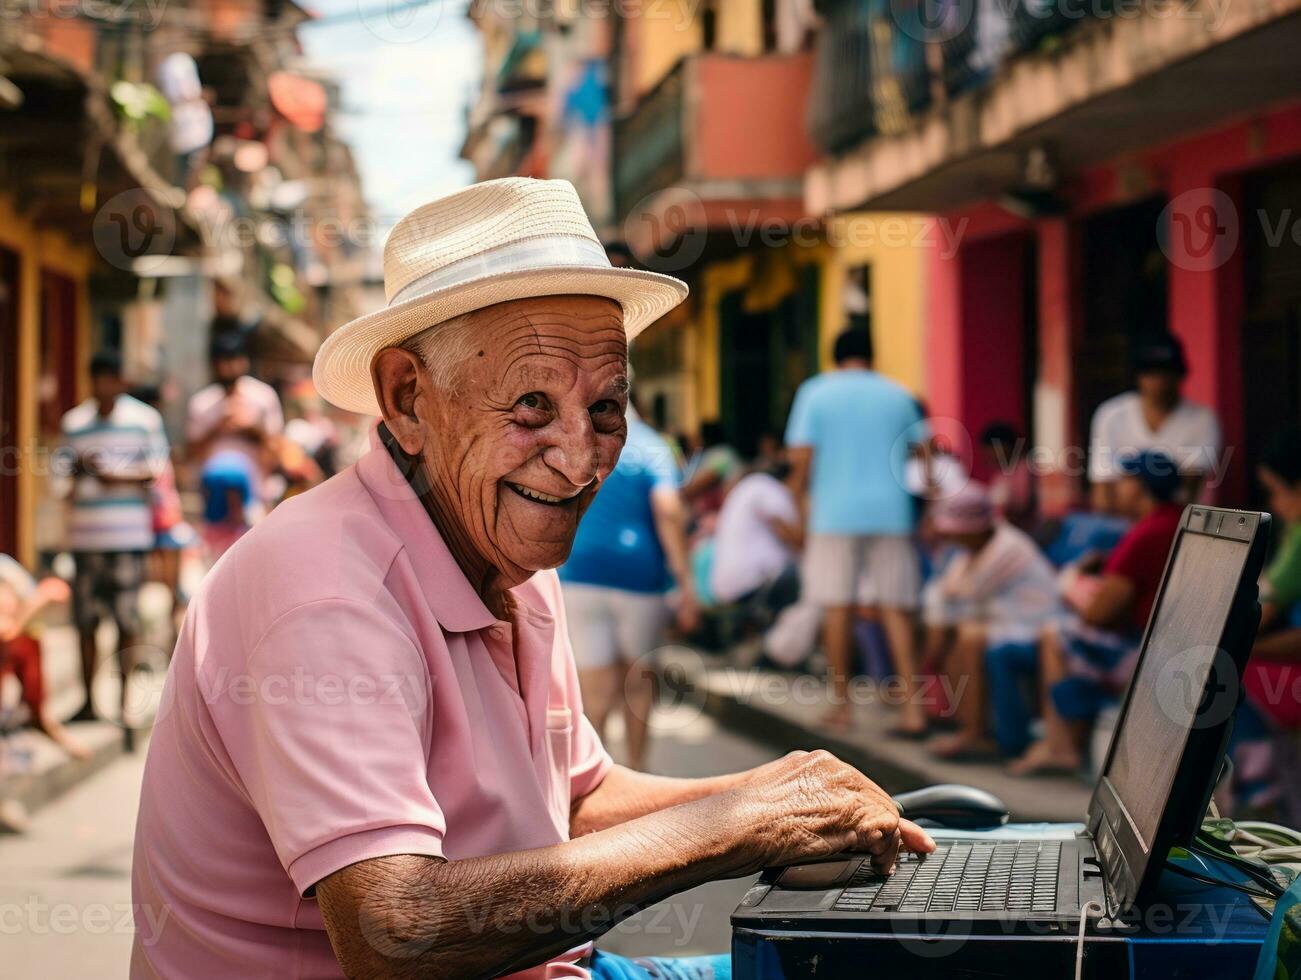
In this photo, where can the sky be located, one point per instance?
(408, 69)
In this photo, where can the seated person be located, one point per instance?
(21, 598)
(997, 592)
(1273, 677)
(756, 544)
(1086, 663)
(710, 471)
(327, 831)
(229, 482)
(1011, 488)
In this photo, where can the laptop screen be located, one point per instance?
(1172, 677)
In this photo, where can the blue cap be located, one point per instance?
(1159, 473)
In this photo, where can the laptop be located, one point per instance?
(1165, 758)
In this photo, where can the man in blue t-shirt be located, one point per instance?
(848, 434)
(631, 547)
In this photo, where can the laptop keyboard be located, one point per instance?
(958, 876)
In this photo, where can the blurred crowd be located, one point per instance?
(858, 544)
(141, 509)
(855, 542)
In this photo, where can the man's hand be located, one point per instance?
(687, 614)
(412, 916)
(809, 805)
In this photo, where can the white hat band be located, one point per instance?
(547, 252)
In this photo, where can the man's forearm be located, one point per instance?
(411, 916)
(670, 517)
(625, 795)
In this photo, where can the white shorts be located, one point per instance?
(939, 609)
(861, 569)
(608, 626)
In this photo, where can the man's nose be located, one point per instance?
(574, 454)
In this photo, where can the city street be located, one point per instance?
(65, 896)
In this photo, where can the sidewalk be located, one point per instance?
(784, 710)
(33, 770)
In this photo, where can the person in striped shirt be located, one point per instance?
(115, 447)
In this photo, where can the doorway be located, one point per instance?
(1125, 298)
(1271, 348)
(9, 447)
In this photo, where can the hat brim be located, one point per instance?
(341, 371)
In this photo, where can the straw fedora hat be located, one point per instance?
(492, 242)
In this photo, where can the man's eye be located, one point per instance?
(531, 400)
(605, 406)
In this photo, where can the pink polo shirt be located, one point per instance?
(340, 692)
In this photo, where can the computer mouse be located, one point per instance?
(953, 805)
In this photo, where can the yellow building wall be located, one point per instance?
(887, 244)
(39, 249)
(717, 280)
(669, 30)
(739, 27)
(896, 277)
(666, 32)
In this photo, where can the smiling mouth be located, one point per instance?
(538, 497)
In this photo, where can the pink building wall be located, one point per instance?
(976, 373)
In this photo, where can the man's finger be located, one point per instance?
(883, 861)
(914, 838)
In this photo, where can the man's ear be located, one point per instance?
(400, 379)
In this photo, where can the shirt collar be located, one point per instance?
(455, 603)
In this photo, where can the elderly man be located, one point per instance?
(371, 757)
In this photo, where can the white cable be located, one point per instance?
(1079, 941)
(1286, 833)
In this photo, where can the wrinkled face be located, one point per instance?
(518, 447)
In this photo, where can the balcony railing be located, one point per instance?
(649, 145)
(717, 120)
(879, 63)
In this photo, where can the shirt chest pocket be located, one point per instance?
(560, 733)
